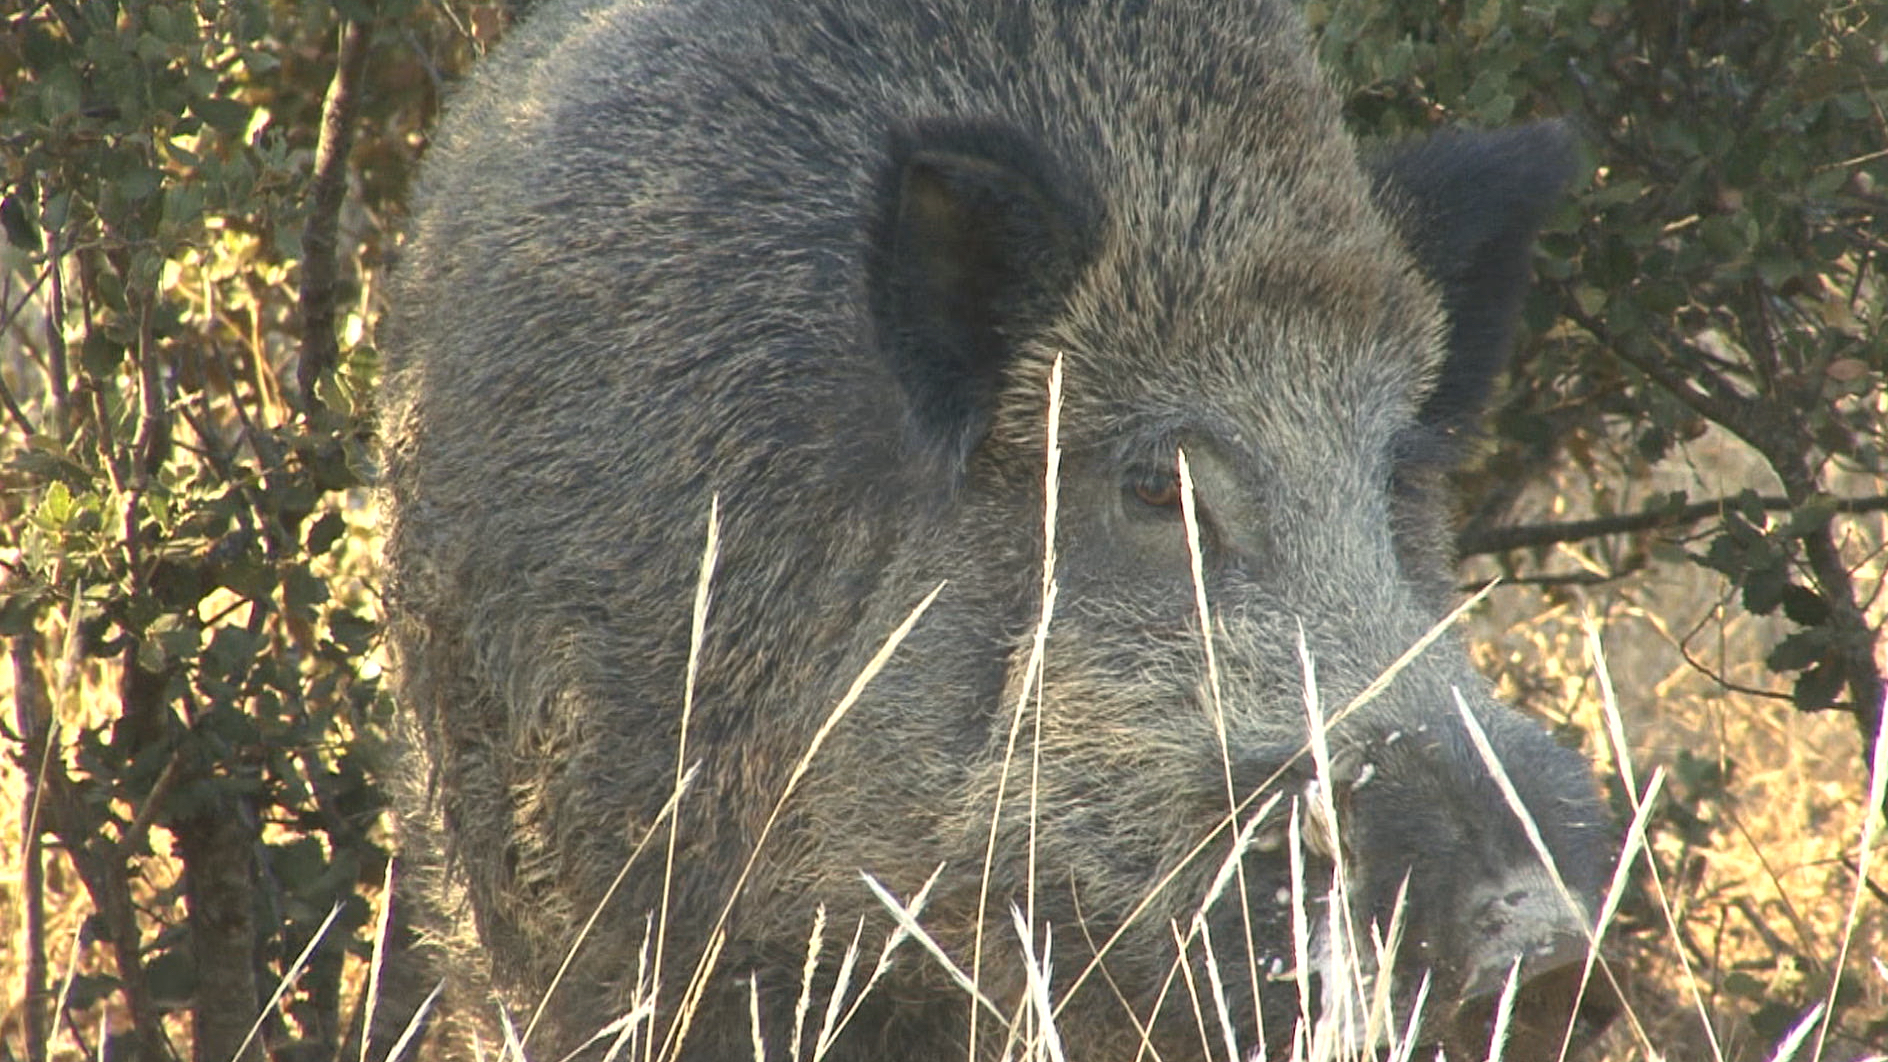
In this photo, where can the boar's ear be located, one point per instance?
(1468, 205)
(978, 236)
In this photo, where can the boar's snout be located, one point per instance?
(1523, 919)
(1426, 828)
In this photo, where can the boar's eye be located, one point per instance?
(1156, 489)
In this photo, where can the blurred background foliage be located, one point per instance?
(1690, 447)
(1719, 276)
(190, 262)
(200, 199)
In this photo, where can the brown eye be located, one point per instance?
(1160, 491)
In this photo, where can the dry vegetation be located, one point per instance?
(1758, 852)
(1755, 836)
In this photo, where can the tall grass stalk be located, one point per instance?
(1032, 678)
(1864, 854)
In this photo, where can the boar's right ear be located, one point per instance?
(978, 235)
(1468, 206)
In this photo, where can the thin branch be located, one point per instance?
(1476, 542)
(1565, 578)
(57, 370)
(14, 411)
(1717, 401)
(33, 711)
(8, 314)
(327, 191)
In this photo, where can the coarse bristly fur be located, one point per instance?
(814, 259)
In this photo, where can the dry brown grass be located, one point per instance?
(1759, 893)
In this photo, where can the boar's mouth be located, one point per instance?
(1550, 1008)
(1559, 1008)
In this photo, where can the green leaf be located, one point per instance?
(1764, 589)
(1805, 606)
(232, 649)
(228, 116)
(172, 977)
(352, 633)
(302, 591)
(1749, 505)
(138, 183)
(17, 217)
(99, 356)
(151, 655)
(1798, 651)
(325, 532)
(56, 507)
(1817, 687)
(19, 611)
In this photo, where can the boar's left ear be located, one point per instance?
(978, 236)
(1468, 206)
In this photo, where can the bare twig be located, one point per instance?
(327, 191)
(32, 714)
(1475, 542)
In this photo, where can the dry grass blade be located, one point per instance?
(1032, 678)
(753, 1019)
(704, 969)
(1635, 839)
(645, 1005)
(668, 812)
(380, 947)
(1190, 519)
(1582, 916)
(1421, 645)
(697, 630)
(1196, 567)
(1615, 892)
(1406, 1049)
(1229, 866)
(1210, 959)
(1036, 969)
(1609, 703)
(908, 921)
(1193, 990)
(1690, 978)
(897, 936)
(71, 974)
(815, 943)
(513, 1048)
(1140, 909)
(1300, 921)
(288, 979)
(1479, 738)
(697, 988)
(1380, 1025)
(829, 1020)
(1793, 1042)
(1504, 1012)
(623, 1028)
(1864, 854)
(413, 1026)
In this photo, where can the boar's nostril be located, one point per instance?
(1522, 918)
